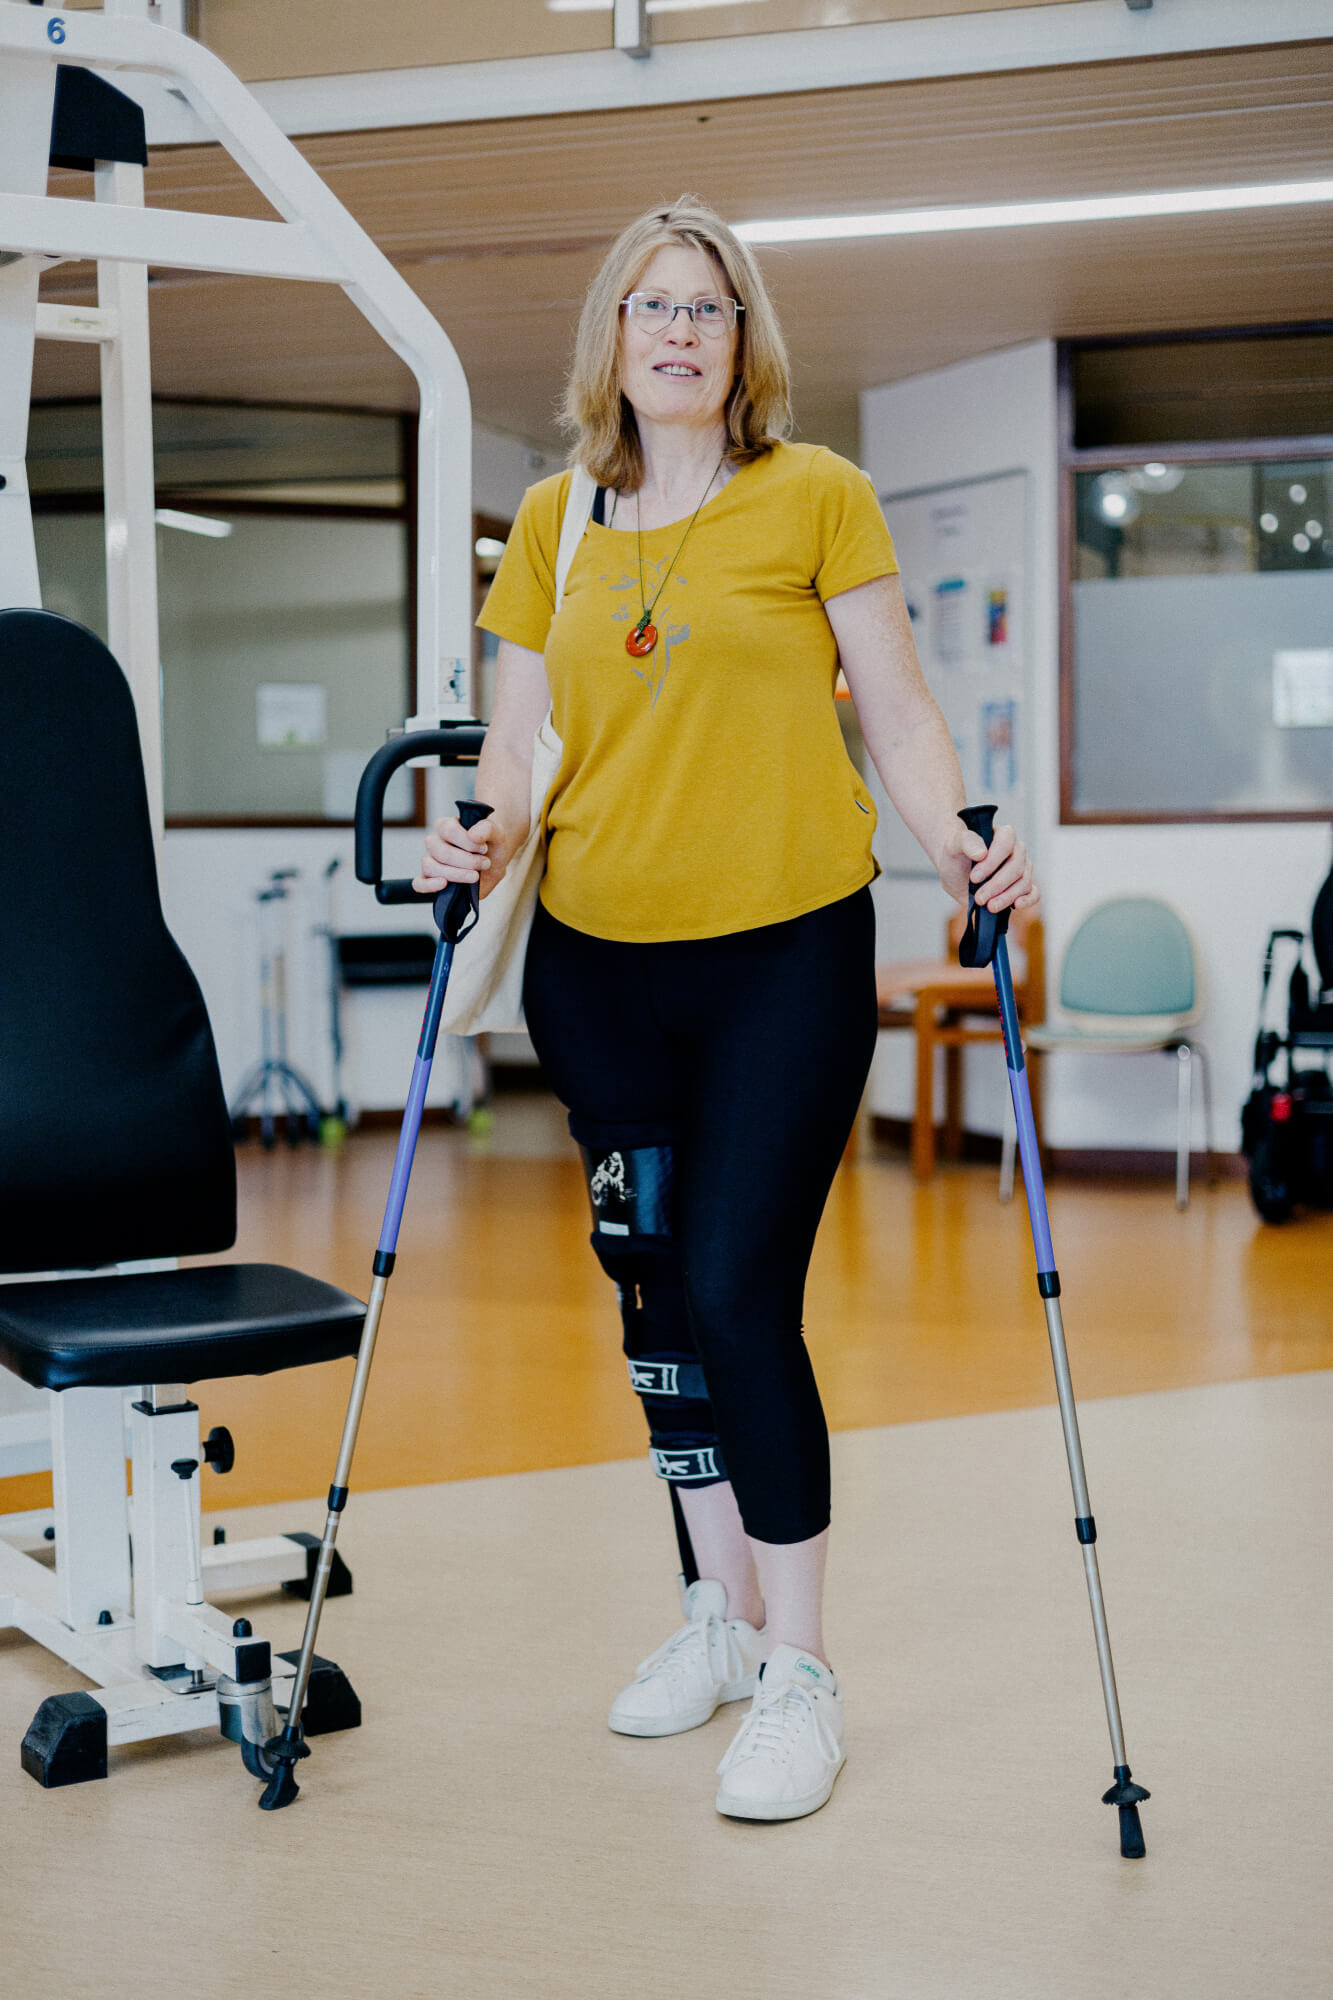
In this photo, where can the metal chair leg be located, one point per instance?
(1205, 1089)
(1184, 1055)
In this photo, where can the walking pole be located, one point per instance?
(455, 911)
(983, 943)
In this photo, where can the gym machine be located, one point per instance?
(161, 1658)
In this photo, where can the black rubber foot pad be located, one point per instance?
(340, 1577)
(281, 1790)
(331, 1701)
(1132, 1844)
(66, 1741)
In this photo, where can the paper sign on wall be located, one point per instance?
(1303, 688)
(949, 626)
(952, 531)
(291, 715)
(999, 746)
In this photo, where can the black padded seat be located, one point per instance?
(174, 1326)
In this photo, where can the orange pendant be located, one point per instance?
(640, 640)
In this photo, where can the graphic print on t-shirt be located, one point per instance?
(651, 668)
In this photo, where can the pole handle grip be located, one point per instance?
(458, 907)
(985, 928)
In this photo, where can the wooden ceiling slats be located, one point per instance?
(499, 225)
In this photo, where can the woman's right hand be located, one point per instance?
(455, 853)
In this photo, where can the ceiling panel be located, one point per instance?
(499, 226)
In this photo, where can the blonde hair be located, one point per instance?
(594, 409)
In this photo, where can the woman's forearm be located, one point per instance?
(911, 748)
(920, 771)
(504, 782)
(901, 724)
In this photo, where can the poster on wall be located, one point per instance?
(949, 621)
(962, 553)
(997, 608)
(998, 732)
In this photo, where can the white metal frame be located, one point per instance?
(317, 241)
(113, 1630)
(160, 1618)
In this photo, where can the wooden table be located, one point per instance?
(942, 1002)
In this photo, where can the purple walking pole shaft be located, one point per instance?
(983, 943)
(455, 911)
(1028, 1151)
(416, 1099)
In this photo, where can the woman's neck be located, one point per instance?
(677, 459)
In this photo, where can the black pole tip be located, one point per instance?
(281, 1789)
(1132, 1845)
(1127, 1796)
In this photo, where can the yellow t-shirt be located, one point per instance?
(704, 788)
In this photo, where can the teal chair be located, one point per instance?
(1129, 985)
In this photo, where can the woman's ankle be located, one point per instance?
(742, 1604)
(775, 1637)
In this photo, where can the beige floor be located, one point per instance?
(483, 1835)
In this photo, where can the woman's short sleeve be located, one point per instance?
(851, 543)
(521, 600)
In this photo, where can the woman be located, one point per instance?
(699, 983)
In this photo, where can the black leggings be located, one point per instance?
(752, 1051)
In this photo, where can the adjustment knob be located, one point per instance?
(219, 1450)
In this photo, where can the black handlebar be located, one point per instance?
(985, 928)
(455, 743)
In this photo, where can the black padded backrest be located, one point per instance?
(114, 1137)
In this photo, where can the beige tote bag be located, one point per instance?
(485, 994)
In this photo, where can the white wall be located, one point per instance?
(1232, 884)
(504, 467)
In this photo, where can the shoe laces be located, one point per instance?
(674, 1658)
(776, 1720)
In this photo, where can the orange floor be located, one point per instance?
(500, 1345)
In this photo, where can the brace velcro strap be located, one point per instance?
(683, 1466)
(668, 1378)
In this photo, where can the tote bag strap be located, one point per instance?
(578, 512)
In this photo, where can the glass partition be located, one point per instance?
(283, 553)
(1200, 648)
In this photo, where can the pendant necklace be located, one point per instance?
(642, 637)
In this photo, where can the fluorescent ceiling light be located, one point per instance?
(193, 524)
(1024, 214)
(654, 6)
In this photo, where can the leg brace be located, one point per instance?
(630, 1187)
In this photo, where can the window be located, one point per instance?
(284, 558)
(1197, 614)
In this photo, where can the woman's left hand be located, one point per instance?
(1004, 867)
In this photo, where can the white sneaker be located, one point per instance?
(711, 1659)
(788, 1751)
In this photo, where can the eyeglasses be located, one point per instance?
(655, 312)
